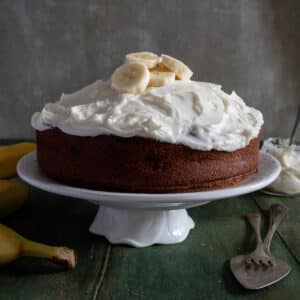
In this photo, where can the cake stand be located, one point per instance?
(142, 220)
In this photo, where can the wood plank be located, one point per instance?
(197, 268)
(289, 230)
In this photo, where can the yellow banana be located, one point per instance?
(9, 156)
(158, 78)
(130, 78)
(13, 246)
(12, 196)
(149, 59)
(182, 71)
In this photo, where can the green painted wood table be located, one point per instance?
(195, 269)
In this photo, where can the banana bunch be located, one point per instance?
(146, 69)
(12, 193)
(12, 196)
(13, 246)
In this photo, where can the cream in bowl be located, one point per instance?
(288, 181)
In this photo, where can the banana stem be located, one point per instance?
(59, 255)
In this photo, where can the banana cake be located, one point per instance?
(151, 129)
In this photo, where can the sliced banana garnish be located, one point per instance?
(182, 71)
(146, 69)
(131, 78)
(160, 68)
(149, 59)
(158, 78)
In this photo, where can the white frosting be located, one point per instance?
(289, 158)
(196, 114)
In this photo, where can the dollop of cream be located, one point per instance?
(289, 158)
(196, 114)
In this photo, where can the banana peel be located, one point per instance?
(12, 196)
(13, 246)
(9, 156)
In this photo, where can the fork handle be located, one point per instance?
(254, 219)
(277, 214)
(295, 126)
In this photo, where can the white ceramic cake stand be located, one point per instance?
(142, 220)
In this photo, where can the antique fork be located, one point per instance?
(262, 255)
(260, 268)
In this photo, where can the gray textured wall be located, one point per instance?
(54, 46)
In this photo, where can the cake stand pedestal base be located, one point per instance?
(142, 227)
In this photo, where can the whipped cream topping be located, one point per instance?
(196, 114)
(289, 158)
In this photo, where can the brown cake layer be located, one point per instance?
(112, 163)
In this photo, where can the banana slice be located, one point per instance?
(182, 71)
(160, 68)
(158, 78)
(130, 78)
(149, 59)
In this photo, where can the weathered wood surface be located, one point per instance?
(195, 269)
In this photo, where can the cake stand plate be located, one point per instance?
(142, 220)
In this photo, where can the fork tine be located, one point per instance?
(263, 263)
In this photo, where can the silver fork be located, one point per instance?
(260, 268)
(295, 126)
(262, 256)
